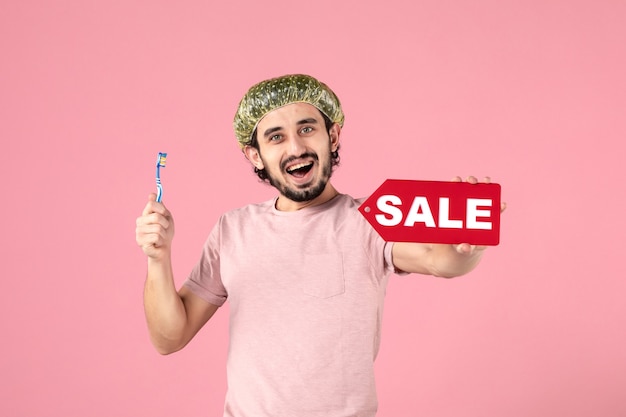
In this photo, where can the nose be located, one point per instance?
(296, 145)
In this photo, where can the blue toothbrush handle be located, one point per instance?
(159, 192)
(161, 157)
(159, 186)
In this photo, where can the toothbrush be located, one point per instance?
(160, 162)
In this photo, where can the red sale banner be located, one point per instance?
(435, 212)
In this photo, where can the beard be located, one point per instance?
(306, 192)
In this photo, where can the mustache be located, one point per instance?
(289, 160)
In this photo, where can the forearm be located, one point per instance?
(164, 309)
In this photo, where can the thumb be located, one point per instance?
(157, 207)
(151, 205)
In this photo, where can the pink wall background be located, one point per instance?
(531, 93)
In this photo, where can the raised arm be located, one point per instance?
(440, 260)
(447, 261)
(173, 317)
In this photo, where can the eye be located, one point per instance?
(275, 138)
(307, 129)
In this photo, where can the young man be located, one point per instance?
(304, 273)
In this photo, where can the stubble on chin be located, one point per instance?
(308, 193)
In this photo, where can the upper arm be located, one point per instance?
(413, 257)
(197, 311)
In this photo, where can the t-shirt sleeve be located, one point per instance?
(379, 252)
(205, 278)
(389, 259)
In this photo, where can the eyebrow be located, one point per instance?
(310, 120)
(306, 121)
(271, 130)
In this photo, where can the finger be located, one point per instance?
(158, 219)
(151, 229)
(149, 208)
(153, 235)
(154, 207)
(487, 180)
(144, 238)
(502, 207)
(456, 179)
(150, 242)
(145, 227)
(464, 248)
(472, 179)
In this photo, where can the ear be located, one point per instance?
(334, 133)
(253, 155)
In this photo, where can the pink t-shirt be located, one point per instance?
(306, 292)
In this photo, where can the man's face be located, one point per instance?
(295, 150)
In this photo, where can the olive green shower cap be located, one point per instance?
(272, 94)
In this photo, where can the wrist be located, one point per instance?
(163, 261)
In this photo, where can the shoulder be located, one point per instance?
(239, 217)
(346, 208)
(249, 210)
(349, 202)
(349, 205)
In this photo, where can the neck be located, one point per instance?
(285, 204)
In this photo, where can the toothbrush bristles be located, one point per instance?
(162, 159)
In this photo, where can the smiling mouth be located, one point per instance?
(300, 170)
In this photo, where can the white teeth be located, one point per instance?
(298, 166)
